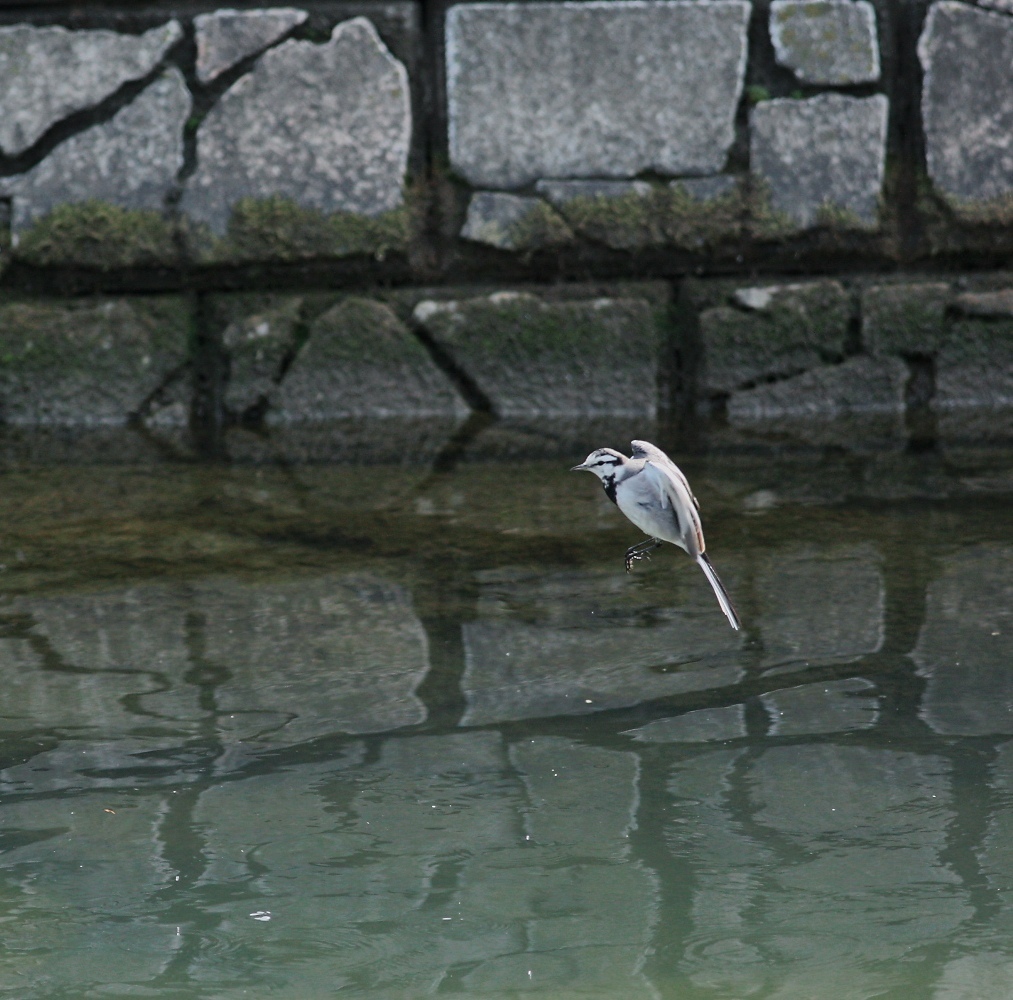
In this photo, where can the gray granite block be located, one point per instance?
(324, 126)
(826, 41)
(858, 386)
(775, 331)
(707, 188)
(592, 89)
(130, 161)
(967, 101)
(87, 362)
(361, 360)
(529, 356)
(49, 73)
(974, 367)
(513, 222)
(224, 37)
(905, 318)
(822, 159)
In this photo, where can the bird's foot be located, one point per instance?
(640, 551)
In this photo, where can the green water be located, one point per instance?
(397, 730)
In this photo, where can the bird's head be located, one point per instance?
(603, 463)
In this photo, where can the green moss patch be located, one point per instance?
(278, 229)
(98, 235)
(666, 216)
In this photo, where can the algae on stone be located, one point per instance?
(361, 360)
(661, 216)
(87, 362)
(530, 356)
(769, 331)
(907, 319)
(97, 234)
(278, 229)
(513, 222)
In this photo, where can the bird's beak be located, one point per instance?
(577, 468)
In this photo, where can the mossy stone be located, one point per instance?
(905, 318)
(769, 331)
(280, 230)
(96, 234)
(531, 356)
(664, 216)
(974, 368)
(87, 362)
(361, 360)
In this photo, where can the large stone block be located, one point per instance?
(822, 159)
(967, 106)
(513, 222)
(224, 37)
(314, 132)
(861, 385)
(823, 707)
(89, 361)
(361, 360)
(974, 368)
(592, 89)
(756, 333)
(906, 318)
(98, 198)
(826, 41)
(49, 73)
(529, 356)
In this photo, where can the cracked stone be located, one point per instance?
(512, 222)
(859, 386)
(592, 90)
(778, 330)
(130, 161)
(528, 356)
(361, 360)
(967, 101)
(325, 126)
(49, 73)
(826, 41)
(823, 159)
(224, 37)
(87, 362)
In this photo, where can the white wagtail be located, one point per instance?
(652, 492)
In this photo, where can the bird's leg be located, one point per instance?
(642, 550)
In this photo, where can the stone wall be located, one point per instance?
(223, 158)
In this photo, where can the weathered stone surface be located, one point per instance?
(986, 305)
(904, 319)
(512, 222)
(974, 368)
(964, 646)
(859, 385)
(826, 41)
(326, 127)
(777, 330)
(967, 108)
(822, 605)
(130, 161)
(224, 37)
(361, 360)
(690, 213)
(87, 361)
(825, 707)
(257, 341)
(49, 73)
(702, 726)
(529, 356)
(822, 159)
(592, 90)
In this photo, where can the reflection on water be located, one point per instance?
(264, 737)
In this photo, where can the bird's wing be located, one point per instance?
(644, 449)
(674, 493)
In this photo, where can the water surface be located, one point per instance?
(299, 731)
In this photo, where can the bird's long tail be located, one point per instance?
(719, 591)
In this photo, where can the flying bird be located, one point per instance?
(652, 492)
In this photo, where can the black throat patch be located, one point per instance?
(609, 482)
